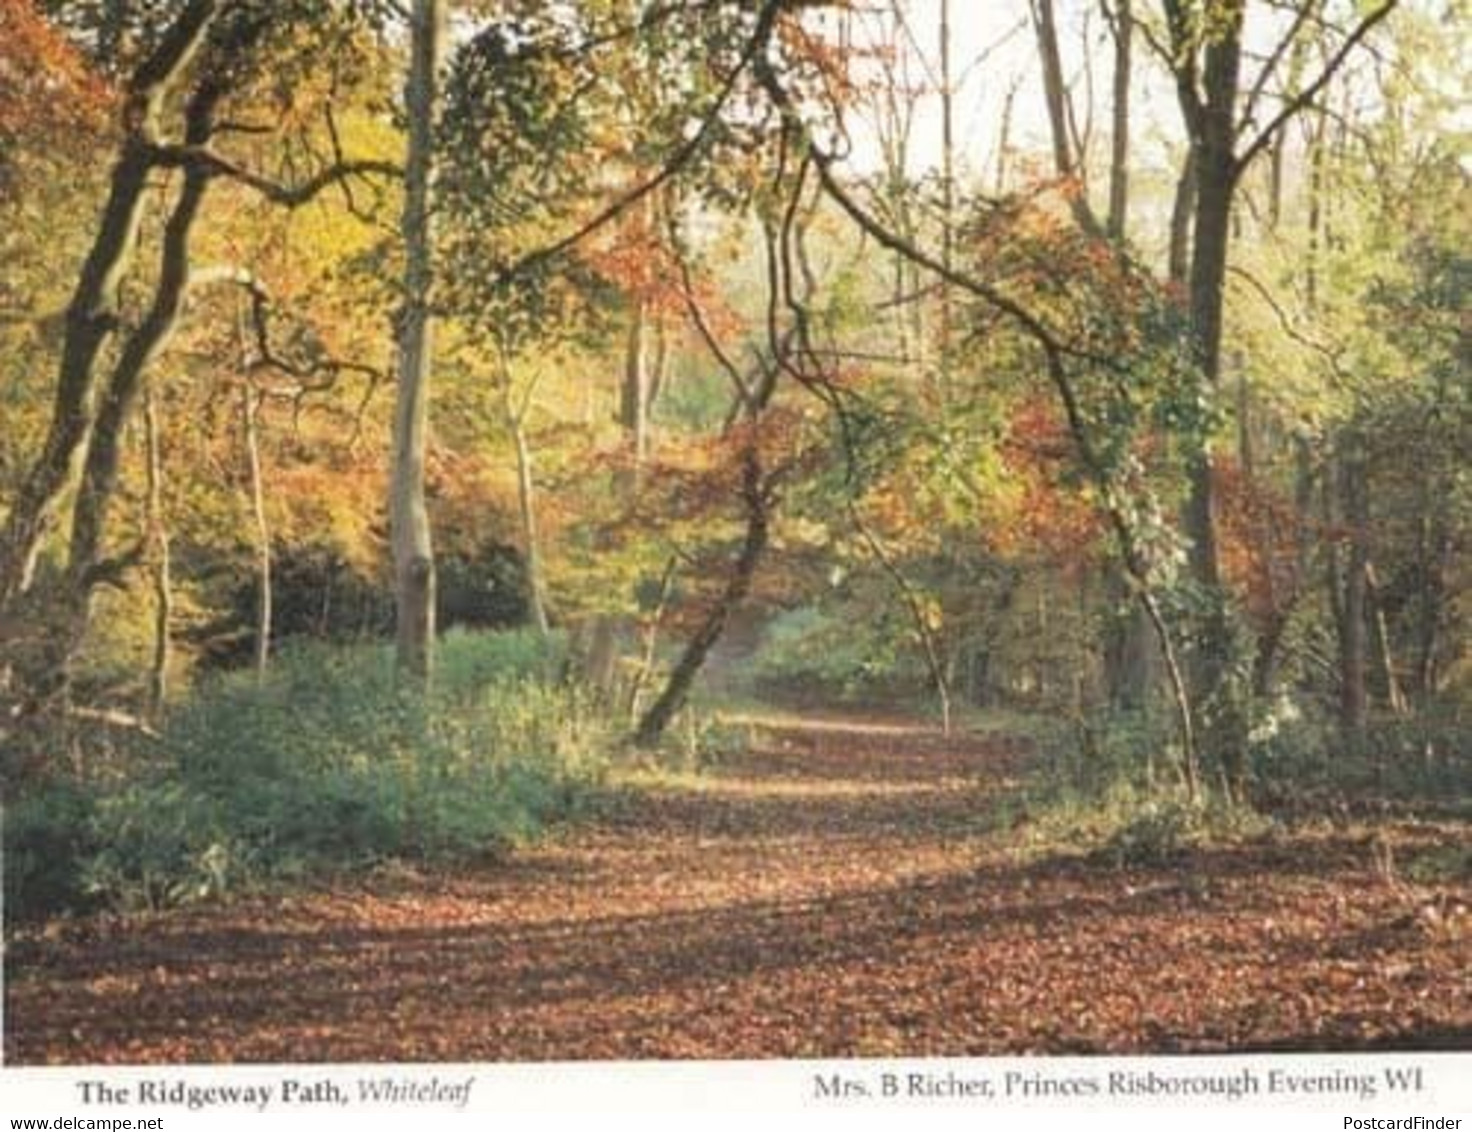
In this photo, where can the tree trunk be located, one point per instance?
(1354, 609)
(1066, 163)
(947, 203)
(1268, 651)
(896, 113)
(139, 354)
(1275, 185)
(1269, 645)
(931, 647)
(1208, 278)
(526, 501)
(636, 395)
(250, 405)
(1004, 142)
(600, 657)
(413, 550)
(1119, 149)
(633, 413)
(659, 370)
(1433, 559)
(102, 454)
(738, 585)
(92, 314)
(1131, 670)
(1130, 658)
(158, 538)
(1178, 255)
(1385, 675)
(1435, 549)
(651, 640)
(1224, 720)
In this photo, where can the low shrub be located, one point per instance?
(1127, 826)
(328, 764)
(48, 839)
(837, 654)
(1302, 761)
(1113, 786)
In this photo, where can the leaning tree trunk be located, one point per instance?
(86, 566)
(651, 640)
(1066, 162)
(527, 505)
(69, 616)
(1385, 669)
(414, 576)
(738, 585)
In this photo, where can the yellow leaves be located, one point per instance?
(334, 506)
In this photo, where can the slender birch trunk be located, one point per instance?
(414, 573)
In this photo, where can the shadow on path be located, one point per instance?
(833, 891)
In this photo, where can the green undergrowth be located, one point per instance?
(328, 765)
(698, 747)
(1126, 826)
(1111, 787)
(1405, 766)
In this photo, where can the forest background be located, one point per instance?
(416, 415)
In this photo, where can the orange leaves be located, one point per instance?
(1030, 245)
(1051, 513)
(818, 46)
(639, 265)
(1038, 434)
(1260, 538)
(49, 97)
(829, 893)
(638, 260)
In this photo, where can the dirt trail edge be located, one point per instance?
(833, 891)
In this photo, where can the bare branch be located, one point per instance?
(315, 376)
(286, 195)
(728, 365)
(113, 718)
(1301, 17)
(110, 571)
(232, 126)
(1285, 323)
(1310, 92)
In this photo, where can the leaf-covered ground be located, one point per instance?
(832, 892)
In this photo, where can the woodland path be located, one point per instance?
(832, 891)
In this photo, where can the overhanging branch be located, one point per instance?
(314, 376)
(682, 157)
(1310, 92)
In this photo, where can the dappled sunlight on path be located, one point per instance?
(836, 889)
